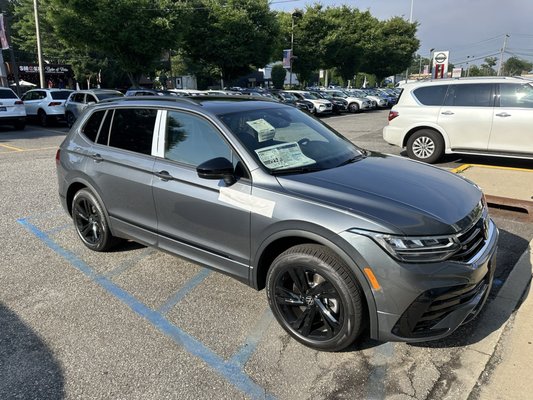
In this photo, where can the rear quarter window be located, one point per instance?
(431, 95)
(91, 127)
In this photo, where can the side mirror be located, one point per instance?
(217, 168)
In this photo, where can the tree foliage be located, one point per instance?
(132, 32)
(515, 66)
(233, 35)
(278, 76)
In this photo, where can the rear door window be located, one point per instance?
(431, 95)
(133, 129)
(471, 95)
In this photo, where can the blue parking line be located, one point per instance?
(184, 290)
(232, 372)
(241, 357)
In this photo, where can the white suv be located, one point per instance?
(12, 109)
(46, 104)
(487, 116)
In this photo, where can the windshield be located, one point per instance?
(286, 140)
(338, 93)
(309, 96)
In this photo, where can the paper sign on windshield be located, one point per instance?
(281, 156)
(264, 130)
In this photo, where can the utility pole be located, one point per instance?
(39, 51)
(501, 54)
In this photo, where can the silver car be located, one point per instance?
(79, 100)
(341, 238)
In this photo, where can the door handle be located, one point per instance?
(503, 114)
(164, 176)
(447, 113)
(97, 157)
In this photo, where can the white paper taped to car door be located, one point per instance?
(247, 202)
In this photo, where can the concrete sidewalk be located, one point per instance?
(507, 375)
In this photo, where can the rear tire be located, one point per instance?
(425, 145)
(315, 298)
(90, 222)
(43, 118)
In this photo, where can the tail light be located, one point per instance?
(392, 115)
(54, 103)
(58, 153)
(19, 102)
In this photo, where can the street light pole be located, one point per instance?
(295, 14)
(39, 52)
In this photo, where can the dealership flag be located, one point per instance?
(287, 55)
(3, 37)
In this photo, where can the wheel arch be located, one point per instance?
(283, 240)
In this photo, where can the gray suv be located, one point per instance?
(341, 238)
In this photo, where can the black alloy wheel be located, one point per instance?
(314, 298)
(90, 222)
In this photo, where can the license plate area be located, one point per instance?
(3, 109)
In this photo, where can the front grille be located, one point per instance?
(472, 240)
(434, 305)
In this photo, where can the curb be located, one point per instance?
(475, 360)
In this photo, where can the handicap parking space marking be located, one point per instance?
(232, 370)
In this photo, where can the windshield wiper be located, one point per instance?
(296, 170)
(351, 160)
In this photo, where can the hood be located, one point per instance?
(404, 196)
(320, 101)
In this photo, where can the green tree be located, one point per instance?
(232, 35)
(134, 33)
(515, 66)
(390, 47)
(344, 42)
(278, 76)
(488, 66)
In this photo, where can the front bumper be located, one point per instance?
(421, 302)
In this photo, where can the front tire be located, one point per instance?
(353, 107)
(70, 119)
(90, 222)
(315, 298)
(425, 145)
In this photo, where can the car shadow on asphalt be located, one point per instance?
(28, 367)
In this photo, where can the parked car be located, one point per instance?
(339, 105)
(12, 111)
(341, 238)
(320, 106)
(289, 98)
(488, 116)
(355, 103)
(46, 105)
(79, 100)
(381, 101)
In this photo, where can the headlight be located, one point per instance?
(415, 248)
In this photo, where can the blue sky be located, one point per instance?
(469, 29)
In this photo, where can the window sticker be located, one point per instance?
(264, 130)
(281, 156)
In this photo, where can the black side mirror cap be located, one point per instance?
(217, 168)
